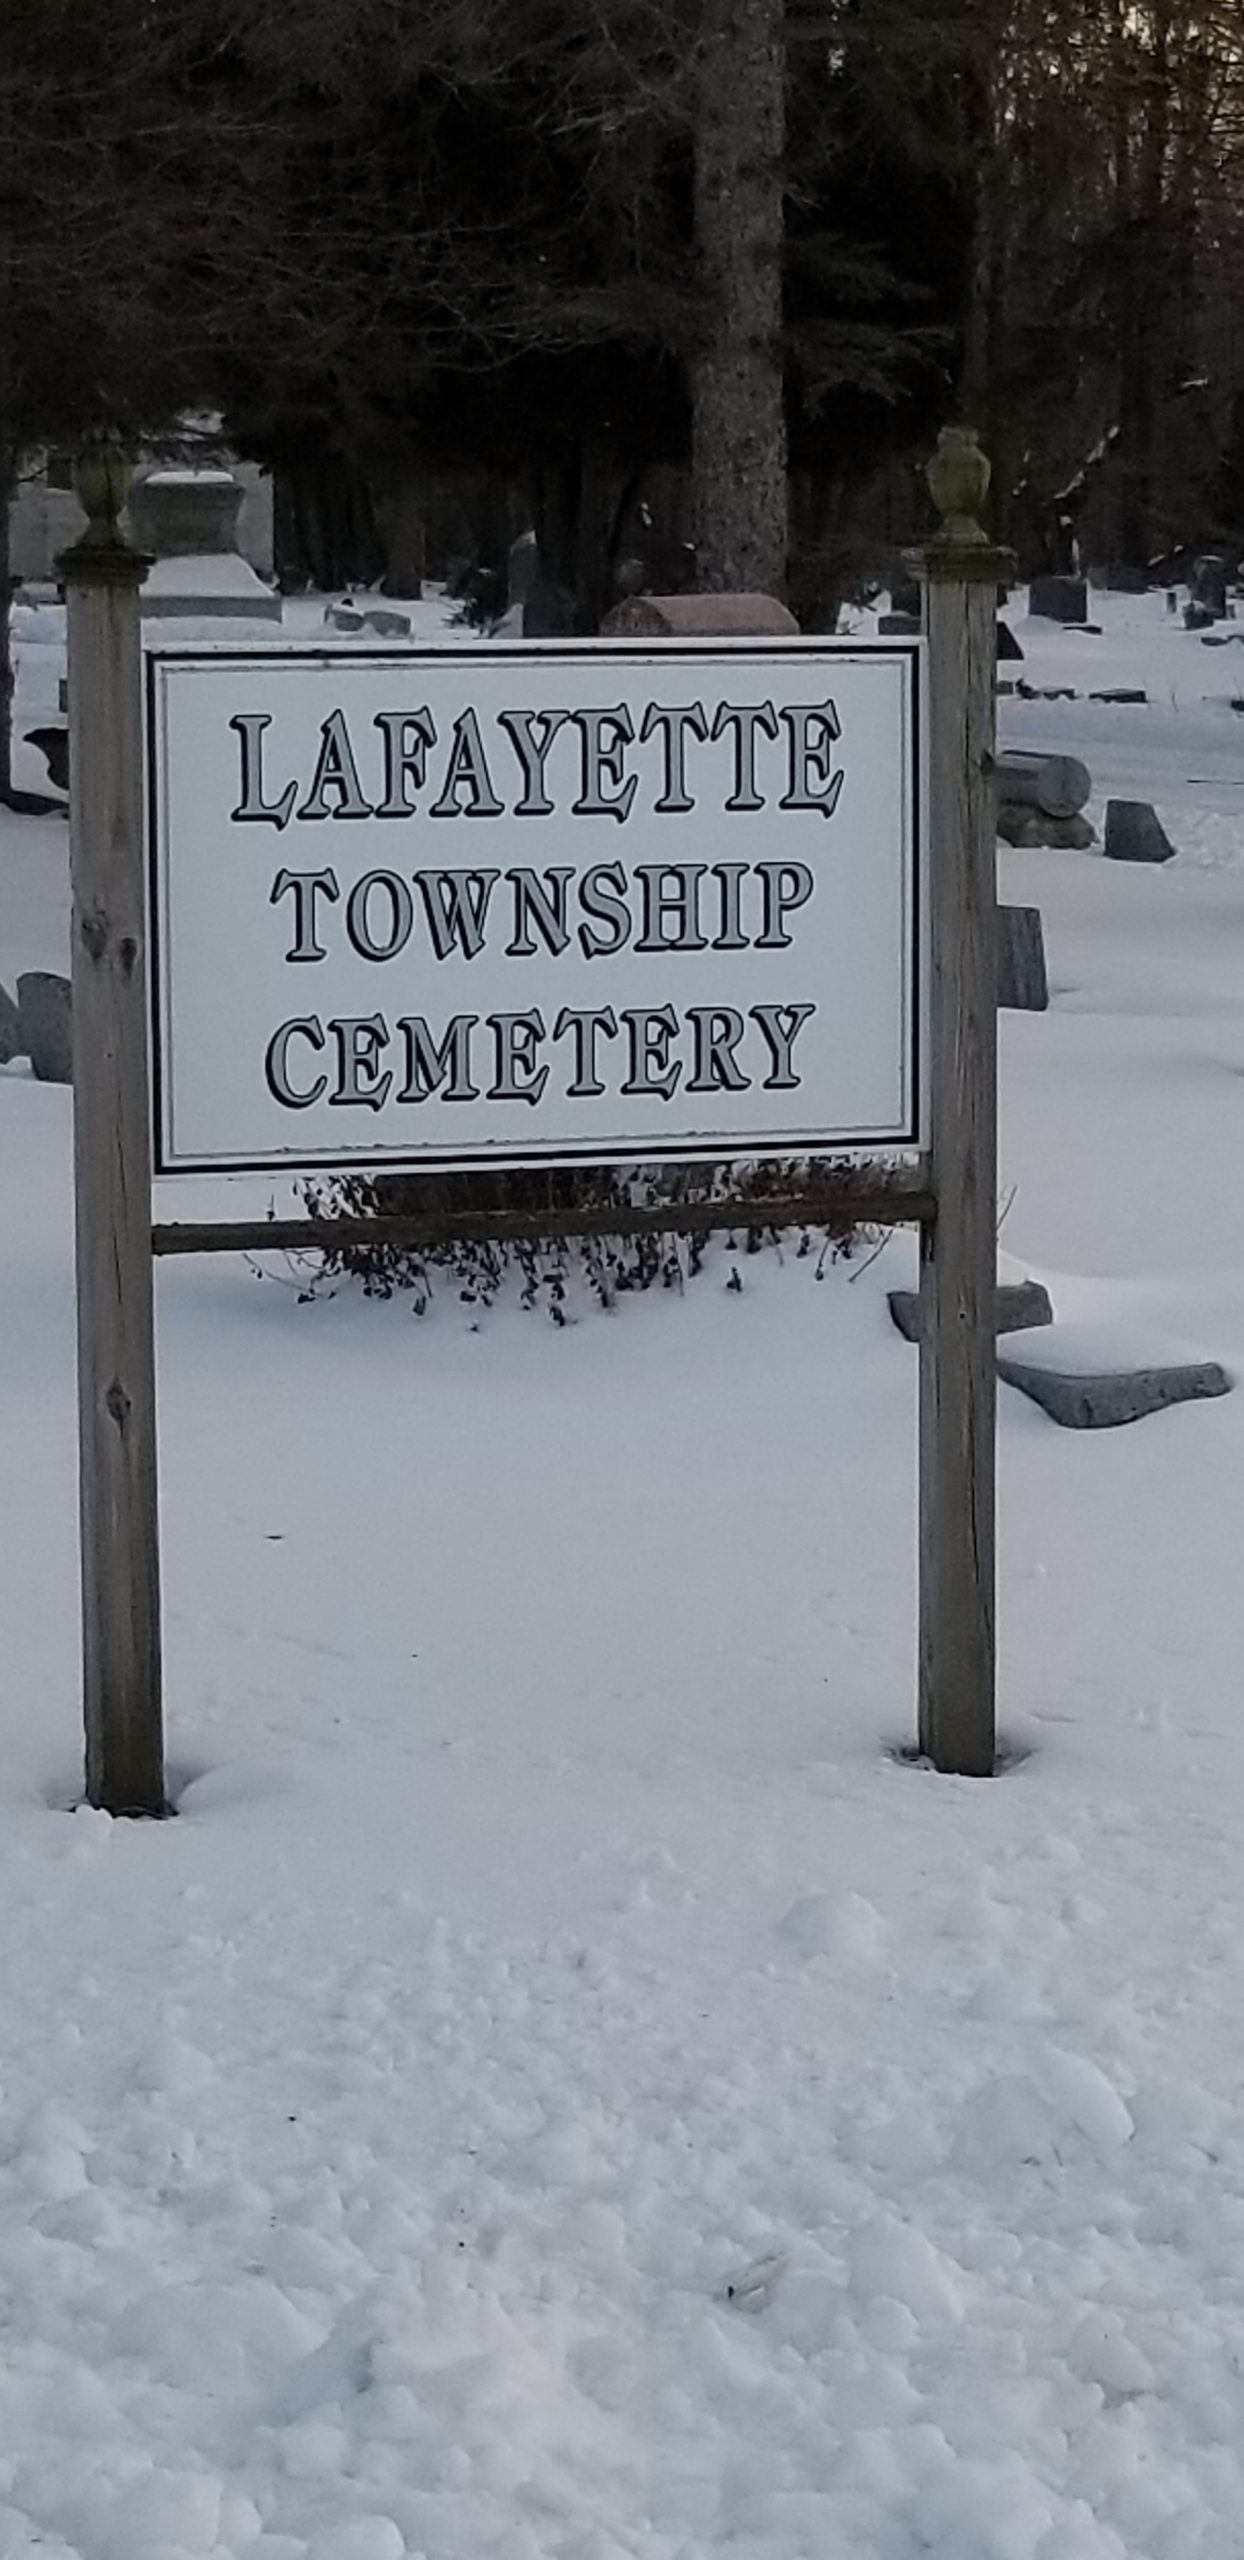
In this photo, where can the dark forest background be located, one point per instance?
(688, 285)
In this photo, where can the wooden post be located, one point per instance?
(112, 1161)
(958, 1270)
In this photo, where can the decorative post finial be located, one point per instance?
(958, 479)
(101, 478)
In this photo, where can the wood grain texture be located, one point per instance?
(958, 1392)
(901, 1197)
(118, 1500)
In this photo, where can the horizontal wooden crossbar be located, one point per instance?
(899, 1199)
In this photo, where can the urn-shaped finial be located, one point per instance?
(101, 478)
(958, 478)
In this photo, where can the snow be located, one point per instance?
(562, 2089)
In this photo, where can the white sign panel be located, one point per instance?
(582, 903)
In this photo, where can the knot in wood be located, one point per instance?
(93, 929)
(118, 1404)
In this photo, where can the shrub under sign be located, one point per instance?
(459, 907)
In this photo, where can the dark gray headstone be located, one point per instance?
(1019, 1305)
(173, 513)
(1059, 599)
(899, 626)
(44, 1025)
(905, 596)
(343, 616)
(1008, 645)
(1135, 833)
(522, 569)
(1060, 785)
(1033, 829)
(53, 746)
(1023, 986)
(1208, 585)
(1099, 1401)
(549, 612)
(10, 1031)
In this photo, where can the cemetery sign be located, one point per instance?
(576, 903)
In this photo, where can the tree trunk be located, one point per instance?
(1146, 314)
(401, 522)
(8, 478)
(577, 510)
(738, 439)
(325, 528)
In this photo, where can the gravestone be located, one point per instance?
(1018, 1306)
(700, 617)
(522, 571)
(177, 513)
(899, 626)
(189, 520)
(1135, 833)
(44, 1025)
(549, 613)
(1030, 829)
(53, 745)
(905, 597)
(384, 620)
(542, 610)
(1023, 986)
(1088, 1398)
(10, 1029)
(1059, 785)
(1208, 588)
(1059, 599)
(1041, 800)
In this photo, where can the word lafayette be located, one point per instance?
(468, 772)
(660, 908)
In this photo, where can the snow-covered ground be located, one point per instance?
(561, 2090)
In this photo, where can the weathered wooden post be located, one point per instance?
(958, 1385)
(112, 1158)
